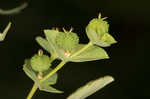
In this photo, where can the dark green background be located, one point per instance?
(129, 22)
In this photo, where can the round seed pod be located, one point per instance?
(99, 26)
(40, 63)
(67, 41)
(98, 32)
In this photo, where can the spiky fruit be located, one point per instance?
(40, 63)
(97, 31)
(98, 25)
(67, 41)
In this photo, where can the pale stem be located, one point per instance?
(33, 90)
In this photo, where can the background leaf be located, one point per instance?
(3, 35)
(91, 87)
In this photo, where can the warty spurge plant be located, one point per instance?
(64, 45)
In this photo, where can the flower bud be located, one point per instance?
(67, 41)
(40, 63)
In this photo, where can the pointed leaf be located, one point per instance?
(51, 36)
(48, 88)
(29, 71)
(44, 43)
(92, 35)
(106, 40)
(45, 86)
(90, 54)
(3, 35)
(91, 88)
(52, 79)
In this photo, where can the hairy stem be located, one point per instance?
(33, 90)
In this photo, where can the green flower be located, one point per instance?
(98, 32)
(40, 62)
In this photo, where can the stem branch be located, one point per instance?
(35, 87)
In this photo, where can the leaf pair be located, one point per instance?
(91, 53)
(45, 85)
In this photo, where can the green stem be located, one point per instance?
(81, 50)
(53, 71)
(35, 87)
(33, 90)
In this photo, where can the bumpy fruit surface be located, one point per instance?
(67, 41)
(98, 32)
(99, 26)
(40, 63)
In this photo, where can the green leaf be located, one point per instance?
(90, 54)
(45, 85)
(48, 88)
(29, 71)
(49, 43)
(92, 35)
(106, 40)
(91, 87)
(44, 43)
(51, 37)
(3, 35)
(52, 79)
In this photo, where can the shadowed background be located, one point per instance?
(128, 22)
